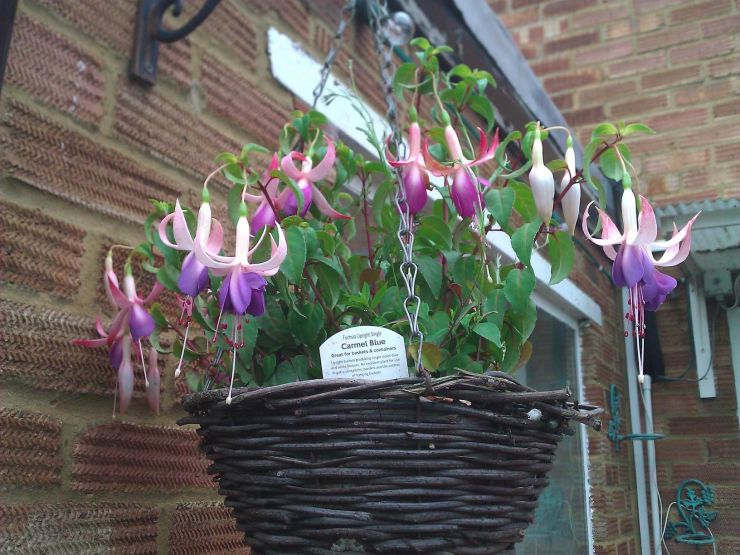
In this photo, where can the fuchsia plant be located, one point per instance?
(298, 274)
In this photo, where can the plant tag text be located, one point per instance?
(364, 352)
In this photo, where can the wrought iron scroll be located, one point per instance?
(150, 32)
(615, 407)
(693, 528)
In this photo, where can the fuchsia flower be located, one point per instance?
(465, 189)
(634, 265)
(305, 178)
(414, 173)
(571, 201)
(541, 180)
(243, 285)
(131, 323)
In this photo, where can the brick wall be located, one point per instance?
(674, 65)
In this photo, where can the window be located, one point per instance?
(561, 525)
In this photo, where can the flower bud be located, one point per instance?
(541, 181)
(571, 201)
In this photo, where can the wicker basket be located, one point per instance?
(404, 466)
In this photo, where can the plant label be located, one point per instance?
(364, 352)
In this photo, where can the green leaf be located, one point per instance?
(431, 271)
(307, 328)
(503, 145)
(483, 107)
(637, 128)
(604, 130)
(562, 256)
(420, 42)
(295, 261)
(495, 307)
(405, 74)
(522, 241)
(167, 276)
(435, 231)
(489, 331)
(460, 70)
(327, 281)
(518, 286)
(158, 316)
(610, 164)
(523, 319)
(524, 202)
(193, 381)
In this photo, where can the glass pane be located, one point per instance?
(559, 526)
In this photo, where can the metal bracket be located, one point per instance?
(615, 403)
(150, 32)
(691, 507)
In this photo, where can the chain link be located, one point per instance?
(409, 270)
(345, 16)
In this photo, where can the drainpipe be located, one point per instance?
(636, 428)
(652, 469)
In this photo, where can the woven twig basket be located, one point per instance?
(453, 466)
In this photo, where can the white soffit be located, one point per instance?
(298, 72)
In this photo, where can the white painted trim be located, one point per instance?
(733, 324)
(588, 501)
(702, 341)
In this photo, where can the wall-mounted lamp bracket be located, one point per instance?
(615, 403)
(150, 32)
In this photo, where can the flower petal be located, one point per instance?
(289, 168)
(279, 252)
(125, 378)
(609, 234)
(678, 237)
(140, 322)
(152, 390)
(116, 295)
(323, 168)
(432, 164)
(193, 276)
(465, 193)
(263, 216)
(325, 208)
(415, 180)
(240, 293)
(628, 266)
(647, 229)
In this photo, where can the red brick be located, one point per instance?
(120, 457)
(546, 67)
(566, 7)
(675, 161)
(725, 67)
(703, 92)
(571, 42)
(699, 10)
(585, 116)
(723, 449)
(603, 93)
(634, 109)
(642, 64)
(645, 6)
(720, 26)
(606, 52)
(514, 19)
(74, 527)
(64, 163)
(536, 33)
(516, 4)
(726, 153)
(39, 252)
(53, 69)
(29, 449)
(205, 528)
(671, 77)
(572, 80)
(663, 39)
(726, 109)
(238, 101)
(670, 450)
(701, 50)
(598, 16)
(650, 22)
(563, 101)
(678, 119)
(232, 25)
(699, 425)
(167, 131)
(619, 29)
(710, 473)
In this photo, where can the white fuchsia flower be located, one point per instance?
(571, 201)
(541, 180)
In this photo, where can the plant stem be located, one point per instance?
(320, 298)
(263, 188)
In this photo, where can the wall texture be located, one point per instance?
(82, 149)
(675, 65)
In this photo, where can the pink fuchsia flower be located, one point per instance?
(634, 264)
(571, 201)
(465, 189)
(541, 180)
(414, 171)
(285, 202)
(243, 285)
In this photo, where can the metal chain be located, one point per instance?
(409, 270)
(345, 16)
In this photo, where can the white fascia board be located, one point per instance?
(297, 71)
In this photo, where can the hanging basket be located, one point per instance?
(454, 465)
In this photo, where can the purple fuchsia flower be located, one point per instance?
(285, 201)
(130, 324)
(193, 274)
(414, 171)
(634, 265)
(243, 287)
(541, 180)
(465, 189)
